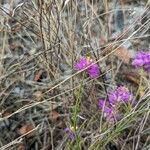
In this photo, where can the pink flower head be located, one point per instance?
(121, 94)
(142, 59)
(81, 64)
(93, 70)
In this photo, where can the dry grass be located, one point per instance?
(40, 42)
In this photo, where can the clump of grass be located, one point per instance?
(42, 88)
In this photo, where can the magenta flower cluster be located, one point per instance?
(142, 59)
(109, 106)
(93, 70)
(121, 94)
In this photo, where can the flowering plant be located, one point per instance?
(93, 70)
(142, 59)
(70, 132)
(109, 106)
(121, 94)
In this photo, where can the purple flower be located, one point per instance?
(107, 109)
(93, 70)
(110, 112)
(81, 64)
(70, 133)
(121, 94)
(142, 59)
(110, 108)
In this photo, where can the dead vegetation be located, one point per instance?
(40, 41)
